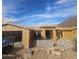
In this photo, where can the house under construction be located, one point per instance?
(27, 35)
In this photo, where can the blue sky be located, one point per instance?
(38, 12)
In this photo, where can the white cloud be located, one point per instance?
(64, 1)
(42, 15)
(64, 13)
(61, 1)
(61, 4)
(45, 23)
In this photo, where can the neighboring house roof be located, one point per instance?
(71, 22)
(15, 26)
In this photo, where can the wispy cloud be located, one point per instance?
(65, 1)
(62, 1)
(50, 16)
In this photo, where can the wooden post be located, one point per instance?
(43, 34)
(54, 34)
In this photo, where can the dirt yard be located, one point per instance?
(22, 54)
(64, 51)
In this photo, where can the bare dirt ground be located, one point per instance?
(21, 54)
(67, 53)
(64, 55)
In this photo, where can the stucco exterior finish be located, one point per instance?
(25, 33)
(28, 35)
(25, 38)
(68, 34)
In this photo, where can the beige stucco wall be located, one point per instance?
(68, 34)
(25, 33)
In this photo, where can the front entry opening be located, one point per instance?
(37, 35)
(48, 34)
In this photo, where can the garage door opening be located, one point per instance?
(15, 39)
(13, 36)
